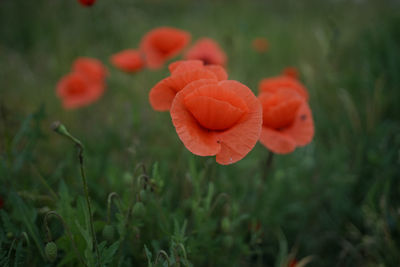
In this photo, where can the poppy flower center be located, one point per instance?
(215, 107)
(280, 109)
(206, 60)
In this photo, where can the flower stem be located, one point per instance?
(267, 165)
(62, 130)
(86, 189)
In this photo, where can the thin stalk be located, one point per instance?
(267, 165)
(62, 130)
(86, 189)
(109, 200)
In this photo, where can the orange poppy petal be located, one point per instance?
(161, 44)
(163, 93)
(274, 84)
(94, 93)
(215, 107)
(260, 44)
(207, 50)
(196, 139)
(161, 96)
(291, 72)
(302, 129)
(129, 60)
(219, 71)
(181, 79)
(280, 108)
(184, 65)
(92, 68)
(242, 137)
(277, 141)
(75, 90)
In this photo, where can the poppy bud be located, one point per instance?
(226, 224)
(59, 128)
(51, 251)
(108, 232)
(138, 209)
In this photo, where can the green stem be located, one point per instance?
(62, 130)
(267, 164)
(86, 189)
(109, 200)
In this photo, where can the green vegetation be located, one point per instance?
(336, 200)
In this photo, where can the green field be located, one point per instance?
(335, 202)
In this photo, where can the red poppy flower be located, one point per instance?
(1, 202)
(260, 45)
(183, 72)
(282, 82)
(291, 72)
(129, 60)
(292, 263)
(221, 118)
(76, 90)
(161, 44)
(207, 50)
(287, 121)
(86, 2)
(92, 68)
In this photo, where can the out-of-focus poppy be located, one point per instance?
(221, 118)
(287, 121)
(282, 82)
(291, 72)
(260, 44)
(183, 72)
(129, 60)
(161, 44)
(292, 263)
(92, 68)
(86, 2)
(1, 202)
(77, 90)
(207, 50)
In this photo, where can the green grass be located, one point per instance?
(336, 199)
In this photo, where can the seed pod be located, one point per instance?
(108, 232)
(51, 251)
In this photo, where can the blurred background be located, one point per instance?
(334, 202)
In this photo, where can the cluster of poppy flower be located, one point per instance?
(213, 116)
(79, 88)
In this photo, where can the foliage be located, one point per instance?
(334, 202)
